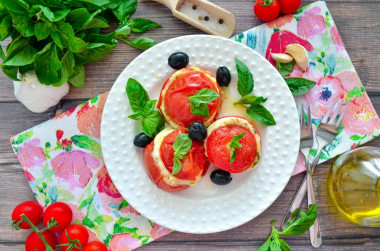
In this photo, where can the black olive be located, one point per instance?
(223, 76)
(197, 131)
(178, 60)
(142, 140)
(206, 18)
(220, 177)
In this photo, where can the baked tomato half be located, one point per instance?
(158, 158)
(174, 101)
(233, 144)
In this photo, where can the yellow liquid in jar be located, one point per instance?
(353, 186)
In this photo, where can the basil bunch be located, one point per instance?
(55, 38)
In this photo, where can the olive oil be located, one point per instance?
(353, 186)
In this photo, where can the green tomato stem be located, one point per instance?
(38, 232)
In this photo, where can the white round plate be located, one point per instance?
(205, 208)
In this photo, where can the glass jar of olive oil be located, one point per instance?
(353, 186)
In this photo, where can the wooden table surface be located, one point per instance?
(358, 22)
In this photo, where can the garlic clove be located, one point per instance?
(282, 58)
(38, 97)
(299, 54)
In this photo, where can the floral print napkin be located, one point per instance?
(330, 66)
(62, 158)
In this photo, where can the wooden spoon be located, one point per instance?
(218, 22)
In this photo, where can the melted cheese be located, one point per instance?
(238, 122)
(168, 177)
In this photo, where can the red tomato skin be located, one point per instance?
(219, 154)
(75, 232)
(31, 209)
(289, 6)
(95, 246)
(267, 13)
(62, 214)
(33, 241)
(194, 164)
(176, 103)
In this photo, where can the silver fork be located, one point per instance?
(325, 134)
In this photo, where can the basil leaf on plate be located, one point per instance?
(201, 110)
(142, 43)
(247, 100)
(299, 86)
(177, 165)
(285, 69)
(140, 25)
(182, 145)
(199, 101)
(235, 144)
(261, 114)
(77, 77)
(137, 95)
(153, 123)
(245, 79)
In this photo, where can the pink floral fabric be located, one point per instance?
(329, 66)
(62, 158)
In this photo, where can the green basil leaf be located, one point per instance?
(5, 27)
(16, 46)
(67, 68)
(137, 95)
(301, 225)
(99, 38)
(142, 43)
(125, 9)
(285, 69)
(261, 114)
(265, 246)
(47, 65)
(204, 96)
(23, 24)
(77, 45)
(94, 52)
(123, 30)
(177, 165)
(77, 77)
(24, 57)
(2, 55)
(54, 16)
(153, 123)
(294, 217)
(284, 246)
(182, 145)
(62, 33)
(235, 144)
(136, 116)
(149, 107)
(245, 78)
(25, 68)
(247, 100)
(41, 30)
(77, 18)
(17, 6)
(275, 245)
(199, 109)
(96, 23)
(299, 86)
(140, 25)
(10, 71)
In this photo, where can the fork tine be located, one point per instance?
(336, 112)
(309, 126)
(325, 118)
(341, 116)
(302, 116)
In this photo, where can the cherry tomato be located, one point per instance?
(267, 10)
(289, 6)
(194, 162)
(31, 209)
(62, 214)
(75, 232)
(95, 246)
(175, 105)
(33, 241)
(219, 153)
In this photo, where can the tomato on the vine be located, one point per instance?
(31, 209)
(33, 241)
(95, 246)
(289, 6)
(267, 10)
(62, 214)
(75, 232)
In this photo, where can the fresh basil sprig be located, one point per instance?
(298, 86)
(198, 102)
(235, 144)
(294, 227)
(144, 108)
(245, 87)
(182, 145)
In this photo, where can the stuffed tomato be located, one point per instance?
(233, 144)
(159, 162)
(174, 102)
